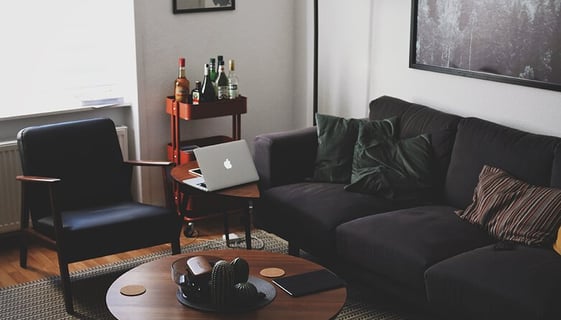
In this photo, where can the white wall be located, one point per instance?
(344, 57)
(529, 109)
(375, 35)
(262, 36)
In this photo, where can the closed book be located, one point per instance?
(309, 282)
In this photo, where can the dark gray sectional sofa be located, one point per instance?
(420, 250)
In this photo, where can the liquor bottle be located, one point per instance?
(233, 91)
(221, 82)
(207, 90)
(196, 93)
(212, 70)
(181, 90)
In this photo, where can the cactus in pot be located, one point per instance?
(221, 283)
(241, 270)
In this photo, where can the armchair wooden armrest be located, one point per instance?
(150, 163)
(166, 176)
(37, 179)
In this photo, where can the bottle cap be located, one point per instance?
(212, 60)
(182, 62)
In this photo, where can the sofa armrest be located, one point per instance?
(285, 157)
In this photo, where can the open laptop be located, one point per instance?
(223, 165)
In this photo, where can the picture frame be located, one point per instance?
(513, 41)
(189, 6)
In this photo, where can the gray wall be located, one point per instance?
(267, 38)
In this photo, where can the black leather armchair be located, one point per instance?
(76, 190)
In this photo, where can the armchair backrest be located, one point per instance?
(84, 154)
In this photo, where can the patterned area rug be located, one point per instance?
(42, 299)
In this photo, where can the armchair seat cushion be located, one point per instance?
(94, 231)
(485, 283)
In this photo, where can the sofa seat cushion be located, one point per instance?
(307, 213)
(485, 283)
(403, 244)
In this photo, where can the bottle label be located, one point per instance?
(181, 94)
(233, 91)
(222, 92)
(196, 97)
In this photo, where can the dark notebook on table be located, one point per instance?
(309, 282)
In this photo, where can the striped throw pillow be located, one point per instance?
(513, 210)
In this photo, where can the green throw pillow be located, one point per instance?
(388, 167)
(336, 140)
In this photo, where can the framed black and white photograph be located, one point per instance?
(187, 6)
(512, 41)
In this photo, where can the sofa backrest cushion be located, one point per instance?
(526, 156)
(386, 107)
(414, 120)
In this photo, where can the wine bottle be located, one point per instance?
(181, 90)
(233, 91)
(207, 90)
(221, 82)
(196, 93)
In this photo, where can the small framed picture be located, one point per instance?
(187, 6)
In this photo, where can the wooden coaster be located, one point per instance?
(133, 290)
(272, 272)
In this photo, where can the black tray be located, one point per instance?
(262, 286)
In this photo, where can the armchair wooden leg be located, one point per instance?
(23, 250)
(66, 286)
(175, 247)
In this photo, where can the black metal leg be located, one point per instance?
(247, 224)
(226, 229)
(293, 250)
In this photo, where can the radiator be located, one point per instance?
(10, 188)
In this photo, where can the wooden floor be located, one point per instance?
(42, 262)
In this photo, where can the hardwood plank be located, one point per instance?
(42, 262)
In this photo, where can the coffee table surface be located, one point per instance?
(160, 302)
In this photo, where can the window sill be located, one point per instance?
(65, 111)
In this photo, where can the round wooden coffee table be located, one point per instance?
(160, 302)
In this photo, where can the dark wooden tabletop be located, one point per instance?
(249, 190)
(160, 302)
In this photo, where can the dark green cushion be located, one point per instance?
(388, 167)
(336, 140)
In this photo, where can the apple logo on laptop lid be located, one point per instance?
(227, 164)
